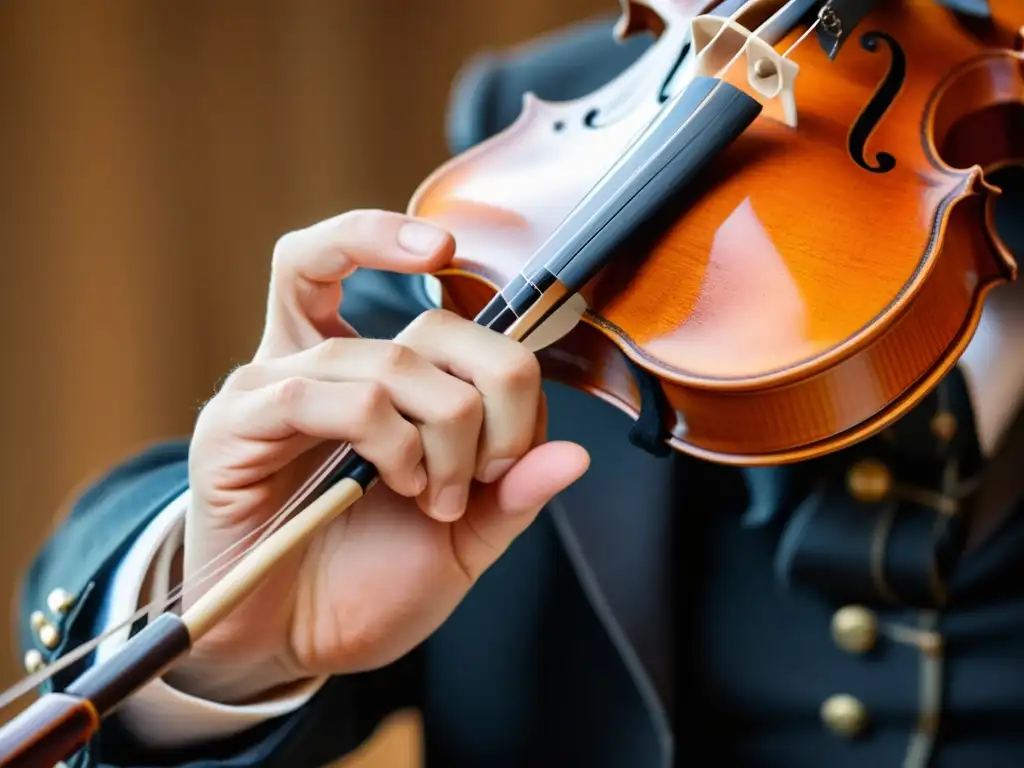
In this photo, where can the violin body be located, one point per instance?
(820, 279)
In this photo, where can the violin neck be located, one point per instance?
(692, 129)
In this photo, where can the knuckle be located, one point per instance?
(371, 398)
(514, 445)
(288, 392)
(465, 404)
(408, 448)
(394, 357)
(329, 350)
(449, 474)
(285, 248)
(368, 401)
(360, 226)
(519, 367)
(362, 217)
(434, 318)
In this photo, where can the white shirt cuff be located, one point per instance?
(158, 715)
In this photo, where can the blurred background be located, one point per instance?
(152, 153)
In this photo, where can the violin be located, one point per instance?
(761, 249)
(828, 272)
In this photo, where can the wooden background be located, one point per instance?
(152, 152)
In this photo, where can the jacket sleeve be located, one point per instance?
(78, 561)
(83, 553)
(66, 583)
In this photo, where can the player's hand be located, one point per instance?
(450, 413)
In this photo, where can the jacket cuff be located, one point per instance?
(160, 716)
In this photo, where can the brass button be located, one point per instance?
(34, 661)
(944, 426)
(869, 480)
(844, 715)
(855, 629)
(60, 601)
(49, 636)
(37, 620)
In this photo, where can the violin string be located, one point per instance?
(264, 530)
(754, 35)
(27, 684)
(807, 33)
(267, 528)
(732, 17)
(635, 140)
(202, 576)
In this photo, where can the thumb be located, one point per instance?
(499, 512)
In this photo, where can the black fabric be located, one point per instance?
(650, 433)
(898, 550)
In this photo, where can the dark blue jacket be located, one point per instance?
(576, 648)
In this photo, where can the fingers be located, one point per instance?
(503, 510)
(472, 395)
(357, 412)
(504, 372)
(446, 411)
(309, 264)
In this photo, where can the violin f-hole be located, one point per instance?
(879, 104)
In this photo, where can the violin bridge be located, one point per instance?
(557, 324)
(718, 42)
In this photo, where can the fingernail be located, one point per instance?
(421, 239)
(450, 503)
(495, 469)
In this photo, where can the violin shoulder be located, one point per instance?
(568, 63)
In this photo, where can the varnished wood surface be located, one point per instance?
(799, 301)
